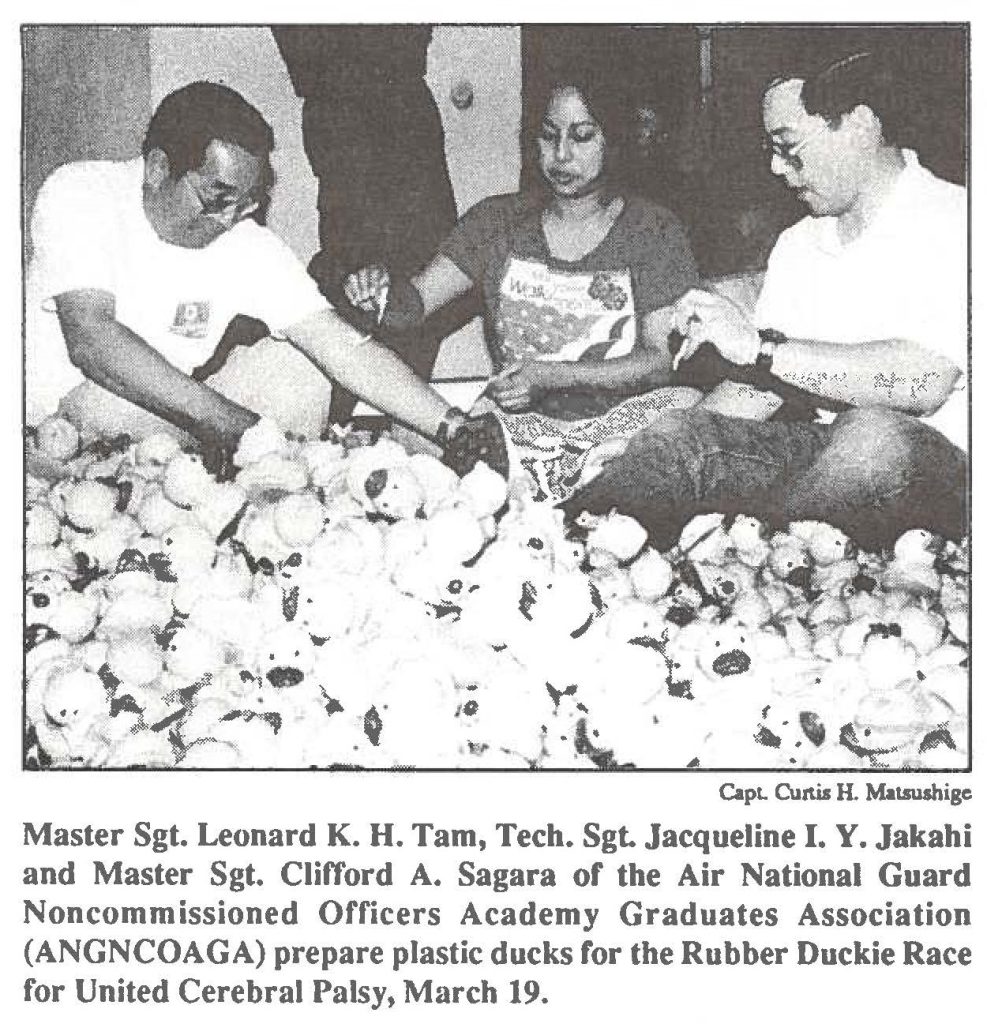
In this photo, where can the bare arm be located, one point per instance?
(368, 369)
(113, 356)
(897, 374)
(648, 366)
(440, 282)
(437, 285)
(639, 370)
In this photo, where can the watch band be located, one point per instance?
(770, 340)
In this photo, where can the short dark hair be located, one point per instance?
(612, 109)
(187, 120)
(860, 79)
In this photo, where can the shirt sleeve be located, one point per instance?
(278, 289)
(772, 302)
(940, 292)
(72, 246)
(665, 267)
(481, 235)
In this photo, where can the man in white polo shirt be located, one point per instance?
(863, 312)
(138, 266)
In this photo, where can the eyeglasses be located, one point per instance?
(789, 151)
(223, 206)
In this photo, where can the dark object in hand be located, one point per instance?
(707, 368)
(404, 310)
(217, 457)
(242, 331)
(479, 439)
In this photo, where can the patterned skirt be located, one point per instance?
(562, 455)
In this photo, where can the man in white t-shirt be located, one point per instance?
(137, 268)
(863, 314)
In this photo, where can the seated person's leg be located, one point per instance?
(688, 462)
(883, 472)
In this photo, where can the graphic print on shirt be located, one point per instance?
(191, 319)
(563, 315)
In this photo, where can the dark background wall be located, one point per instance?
(710, 168)
(88, 92)
(87, 95)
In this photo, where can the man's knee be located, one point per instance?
(874, 423)
(876, 437)
(904, 466)
(674, 426)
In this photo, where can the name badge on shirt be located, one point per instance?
(191, 319)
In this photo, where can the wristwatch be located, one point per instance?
(770, 340)
(452, 422)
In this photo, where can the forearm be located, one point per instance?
(439, 283)
(641, 370)
(896, 374)
(116, 358)
(369, 370)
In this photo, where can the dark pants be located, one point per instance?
(384, 197)
(873, 473)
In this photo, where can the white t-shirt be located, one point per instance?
(904, 277)
(89, 231)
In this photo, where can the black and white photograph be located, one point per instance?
(456, 397)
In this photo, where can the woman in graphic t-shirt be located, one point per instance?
(576, 284)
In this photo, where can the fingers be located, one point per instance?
(512, 392)
(508, 371)
(699, 305)
(698, 298)
(504, 381)
(685, 315)
(687, 351)
(514, 402)
(684, 323)
(365, 287)
(511, 396)
(693, 298)
(351, 289)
